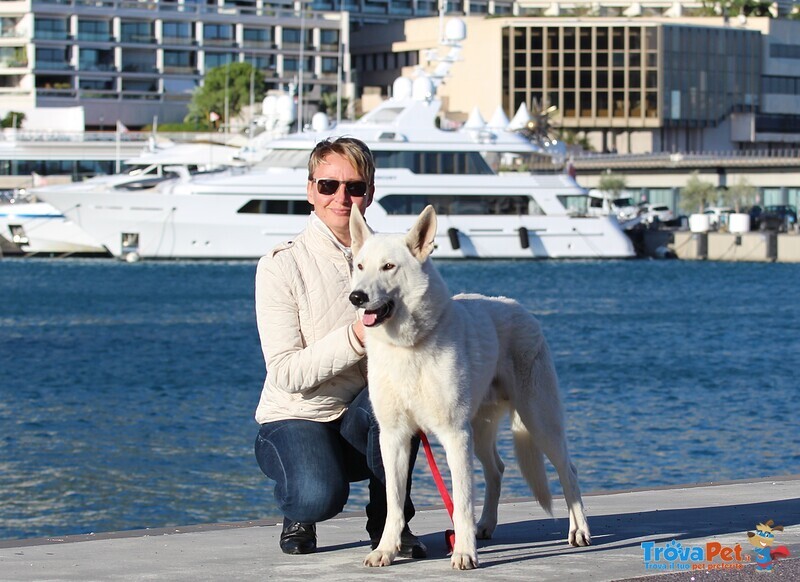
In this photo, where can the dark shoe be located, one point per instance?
(298, 538)
(410, 545)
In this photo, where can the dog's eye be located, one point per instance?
(360, 267)
(388, 267)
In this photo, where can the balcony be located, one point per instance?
(13, 64)
(104, 67)
(94, 37)
(138, 38)
(178, 40)
(176, 70)
(53, 66)
(50, 35)
(226, 42)
(139, 68)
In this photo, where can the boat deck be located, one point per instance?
(528, 545)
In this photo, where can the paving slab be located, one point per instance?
(528, 544)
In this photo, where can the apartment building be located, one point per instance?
(134, 60)
(637, 84)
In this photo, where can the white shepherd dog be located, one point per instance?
(453, 367)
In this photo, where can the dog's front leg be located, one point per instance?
(457, 445)
(396, 452)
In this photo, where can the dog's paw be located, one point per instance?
(484, 531)
(379, 558)
(580, 537)
(463, 561)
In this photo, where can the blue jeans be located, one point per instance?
(313, 464)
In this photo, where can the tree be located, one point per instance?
(233, 80)
(13, 119)
(696, 193)
(741, 193)
(328, 104)
(612, 183)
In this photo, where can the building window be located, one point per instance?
(257, 36)
(219, 60)
(52, 58)
(176, 32)
(50, 29)
(94, 30)
(137, 32)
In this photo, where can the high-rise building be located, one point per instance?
(134, 60)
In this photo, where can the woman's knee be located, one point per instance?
(313, 500)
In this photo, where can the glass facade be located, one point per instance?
(607, 72)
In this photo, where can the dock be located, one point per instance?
(527, 545)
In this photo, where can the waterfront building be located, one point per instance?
(135, 60)
(655, 83)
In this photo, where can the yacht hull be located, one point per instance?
(198, 220)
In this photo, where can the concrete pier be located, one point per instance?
(528, 545)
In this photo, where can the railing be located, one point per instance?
(198, 9)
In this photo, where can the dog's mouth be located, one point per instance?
(373, 317)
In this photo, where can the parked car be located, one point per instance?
(652, 212)
(779, 217)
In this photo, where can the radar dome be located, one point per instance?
(286, 109)
(422, 89)
(320, 122)
(269, 104)
(456, 29)
(401, 89)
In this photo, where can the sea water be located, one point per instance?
(127, 391)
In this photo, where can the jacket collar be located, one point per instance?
(323, 240)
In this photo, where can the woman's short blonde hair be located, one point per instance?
(353, 150)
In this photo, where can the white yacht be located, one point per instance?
(37, 227)
(243, 213)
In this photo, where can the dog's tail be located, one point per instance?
(531, 463)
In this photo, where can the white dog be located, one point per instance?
(453, 367)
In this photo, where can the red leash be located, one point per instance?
(449, 535)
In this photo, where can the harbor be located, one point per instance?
(528, 544)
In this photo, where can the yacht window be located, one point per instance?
(574, 204)
(460, 204)
(285, 159)
(296, 207)
(433, 162)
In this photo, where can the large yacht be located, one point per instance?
(488, 205)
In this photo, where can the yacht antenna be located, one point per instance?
(339, 65)
(301, 67)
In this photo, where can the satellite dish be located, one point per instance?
(456, 30)
(269, 105)
(422, 89)
(320, 122)
(286, 109)
(401, 88)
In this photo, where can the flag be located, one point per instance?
(38, 180)
(213, 116)
(121, 128)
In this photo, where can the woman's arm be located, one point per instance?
(293, 365)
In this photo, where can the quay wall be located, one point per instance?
(725, 246)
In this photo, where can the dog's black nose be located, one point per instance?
(358, 298)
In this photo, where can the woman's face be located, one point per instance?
(334, 209)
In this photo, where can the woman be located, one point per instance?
(318, 432)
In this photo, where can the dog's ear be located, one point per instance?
(420, 238)
(359, 231)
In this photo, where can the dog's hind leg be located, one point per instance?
(544, 418)
(484, 429)
(457, 443)
(396, 452)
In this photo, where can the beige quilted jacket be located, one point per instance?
(315, 364)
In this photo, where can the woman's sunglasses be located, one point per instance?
(330, 187)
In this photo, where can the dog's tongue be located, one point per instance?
(369, 318)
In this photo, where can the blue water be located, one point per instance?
(127, 391)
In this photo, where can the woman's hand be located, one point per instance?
(358, 329)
